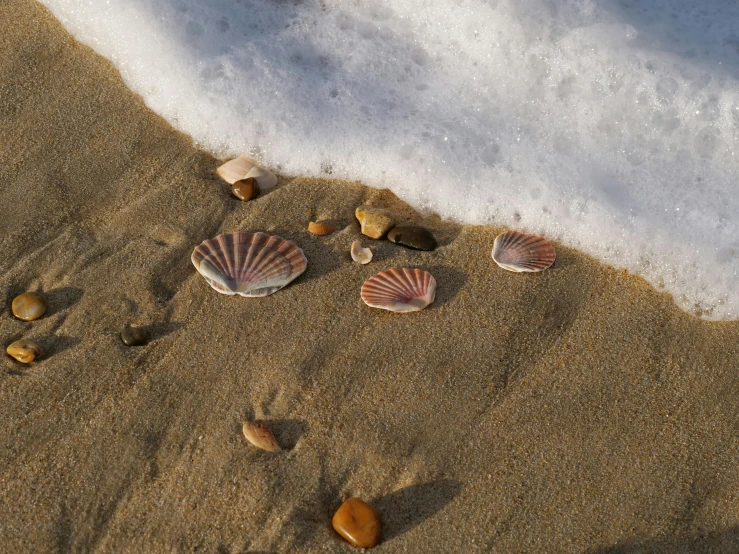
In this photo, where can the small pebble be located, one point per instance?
(133, 336)
(358, 523)
(412, 236)
(29, 306)
(246, 189)
(375, 222)
(320, 229)
(24, 351)
(260, 436)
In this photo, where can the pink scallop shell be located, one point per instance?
(400, 290)
(248, 264)
(516, 251)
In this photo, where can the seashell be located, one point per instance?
(400, 290)
(359, 254)
(260, 435)
(248, 264)
(516, 251)
(242, 168)
(320, 229)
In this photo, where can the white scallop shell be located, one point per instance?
(516, 251)
(400, 290)
(248, 264)
(243, 168)
(359, 254)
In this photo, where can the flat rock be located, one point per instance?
(412, 236)
(24, 351)
(358, 523)
(29, 306)
(374, 221)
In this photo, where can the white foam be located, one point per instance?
(612, 126)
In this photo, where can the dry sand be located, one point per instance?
(577, 410)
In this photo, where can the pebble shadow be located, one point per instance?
(62, 299)
(51, 346)
(156, 331)
(407, 508)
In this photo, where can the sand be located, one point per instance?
(576, 410)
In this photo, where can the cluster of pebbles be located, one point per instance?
(259, 264)
(28, 306)
(31, 306)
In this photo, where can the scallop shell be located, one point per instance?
(359, 254)
(400, 290)
(516, 251)
(261, 436)
(242, 168)
(249, 264)
(320, 229)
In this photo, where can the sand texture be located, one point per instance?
(576, 410)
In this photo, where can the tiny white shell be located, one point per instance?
(519, 252)
(400, 290)
(242, 168)
(359, 254)
(248, 264)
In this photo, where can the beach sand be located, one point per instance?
(576, 410)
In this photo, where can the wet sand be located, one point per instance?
(576, 410)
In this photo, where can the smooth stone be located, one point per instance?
(246, 189)
(320, 229)
(24, 351)
(374, 221)
(358, 523)
(133, 336)
(412, 236)
(29, 306)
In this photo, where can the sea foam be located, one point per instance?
(612, 126)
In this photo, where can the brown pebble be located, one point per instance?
(29, 306)
(358, 523)
(320, 229)
(375, 222)
(260, 436)
(246, 189)
(133, 336)
(24, 351)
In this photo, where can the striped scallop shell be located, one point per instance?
(520, 252)
(400, 290)
(249, 264)
(242, 168)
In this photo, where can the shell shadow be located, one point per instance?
(563, 260)
(288, 431)
(313, 249)
(449, 281)
(408, 507)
